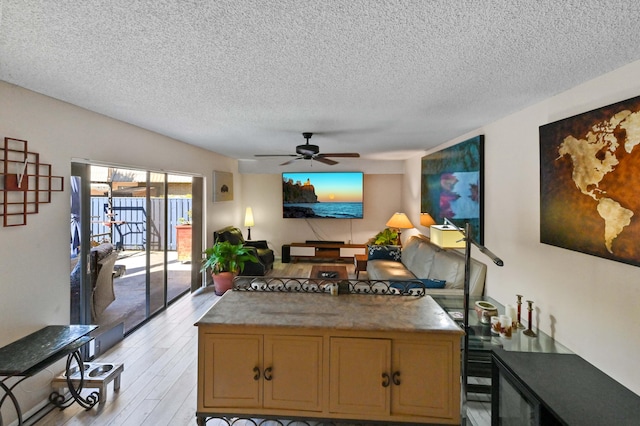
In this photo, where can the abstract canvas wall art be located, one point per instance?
(452, 185)
(222, 186)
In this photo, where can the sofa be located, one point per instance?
(441, 270)
(258, 248)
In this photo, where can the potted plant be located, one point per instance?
(385, 245)
(226, 260)
(387, 237)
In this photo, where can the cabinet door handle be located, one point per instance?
(395, 378)
(256, 375)
(385, 380)
(267, 373)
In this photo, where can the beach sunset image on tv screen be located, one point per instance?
(333, 195)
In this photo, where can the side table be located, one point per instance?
(536, 388)
(482, 341)
(360, 261)
(33, 353)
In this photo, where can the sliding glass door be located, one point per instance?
(157, 237)
(136, 215)
(181, 258)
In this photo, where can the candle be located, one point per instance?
(510, 311)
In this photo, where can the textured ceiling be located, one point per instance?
(383, 78)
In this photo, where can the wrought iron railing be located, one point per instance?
(244, 420)
(415, 288)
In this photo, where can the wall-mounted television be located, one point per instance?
(328, 195)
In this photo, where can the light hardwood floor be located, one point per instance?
(159, 379)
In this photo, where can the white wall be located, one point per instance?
(263, 193)
(34, 259)
(590, 304)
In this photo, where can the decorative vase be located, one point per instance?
(485, 311)
(222, 282)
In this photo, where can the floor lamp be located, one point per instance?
(449, 236)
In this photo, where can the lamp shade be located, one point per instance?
(426, 220)
(446, 236)
(399, 220)
(248, 217)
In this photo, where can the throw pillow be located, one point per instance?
(384, 252)
(431, 283)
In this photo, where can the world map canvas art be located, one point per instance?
(589, 182)
(452, 185)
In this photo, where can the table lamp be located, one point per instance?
(426, 220)
(248, 221)
(447, 235)
(399, 221)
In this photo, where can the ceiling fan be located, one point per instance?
(309, 151)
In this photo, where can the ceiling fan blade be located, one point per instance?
(290, 161)
(321, 159)
(342, 154)
(275, 155)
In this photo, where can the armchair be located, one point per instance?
(102, 260)
(101, 265)
(260, 249)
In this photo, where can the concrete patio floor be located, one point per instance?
(130, 289)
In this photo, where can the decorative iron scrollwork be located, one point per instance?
(61, 401)
(233, 420)
(414, 288)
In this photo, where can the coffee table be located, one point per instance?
(318, 271)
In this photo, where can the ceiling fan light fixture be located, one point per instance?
(307, 149)
(311, 152)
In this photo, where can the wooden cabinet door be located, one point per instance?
(425, 371)
(293, 372)
(229, 370)
(357, 385)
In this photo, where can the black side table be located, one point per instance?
(557, 389)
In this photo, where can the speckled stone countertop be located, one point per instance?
(343, 312)
(35, 351)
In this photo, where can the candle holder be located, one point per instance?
(518, 322)
(529, 332)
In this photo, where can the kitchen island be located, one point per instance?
(357, 357)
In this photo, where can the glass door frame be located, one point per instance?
(83, 170)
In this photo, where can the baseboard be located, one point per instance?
(105, 340)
